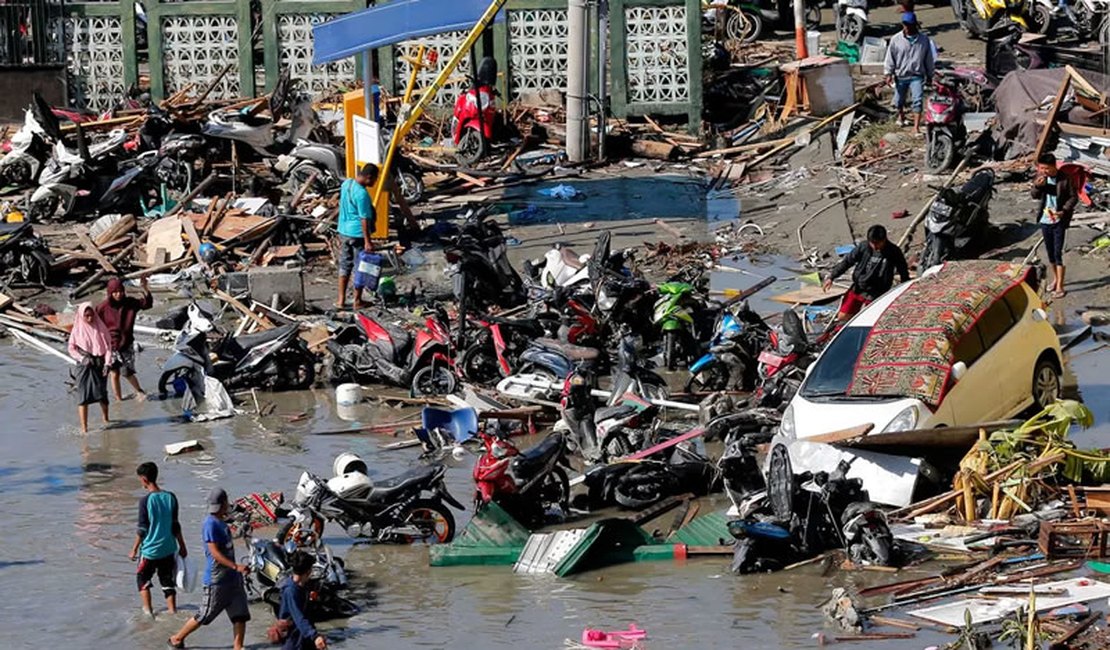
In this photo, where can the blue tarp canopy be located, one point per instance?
(393, 22)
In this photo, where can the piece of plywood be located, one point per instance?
(809, 295)
(164, 234)
(1077, 590)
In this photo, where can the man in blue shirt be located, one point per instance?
(356, 215)
(223, 578)
(158, 539)
(294, 599)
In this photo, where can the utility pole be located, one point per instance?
(602, 72)
(800, 29)
(578, 75)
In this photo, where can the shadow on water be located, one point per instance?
(17, 563)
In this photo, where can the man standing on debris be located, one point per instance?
(356, 215)
(875, 261)
(909, 66)
(223, 578)
(1058, 195)
(118, 312)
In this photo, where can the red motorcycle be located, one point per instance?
(433, 360)
(528, 485)
(783, 364)
(496, 347)
(945, 133)
(476, 121)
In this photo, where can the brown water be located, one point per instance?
(69, 504)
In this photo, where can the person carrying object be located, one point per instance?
(1058, 194)
(910, 64)
(118, 311)
(90, 344)
(874, 263)
(158, 540)
(356, 216)
(223, 578)
(301, 634)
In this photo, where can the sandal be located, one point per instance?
(1059, 294)
(180, 645)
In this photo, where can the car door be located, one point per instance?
(997, 365)
(969, 398)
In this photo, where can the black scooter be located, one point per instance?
(483, 276)
(24, 256)
(958, 220)
(276, 359)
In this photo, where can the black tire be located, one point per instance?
(654, 389)
(850, 29)
(43, 208)
(412, 186)
(743, 26)
(1040, 19)
(712, 378)
(671, 349)
(976, 25)
(422, 507)
(433, 380)
(1103, 33)
(472, 147)
(880, 547)
(937, 250)
(780, 483)
(167, 379)
(940, 153)
(554, 490)
(303, 171)
(813, 20)
(1046, 383)
(642, 487)
(296, 370)
(478, 363)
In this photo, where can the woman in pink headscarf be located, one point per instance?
(91, 345)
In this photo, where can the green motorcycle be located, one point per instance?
(674, 318)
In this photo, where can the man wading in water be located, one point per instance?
(158, 541)
(223, 578)
(118, 312)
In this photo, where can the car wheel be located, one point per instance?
(1046, 383)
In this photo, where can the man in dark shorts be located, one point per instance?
(158, 540)
(118, 312)
(223, 578)
(1058, 196)
(875, 262)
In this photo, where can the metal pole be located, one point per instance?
(577, 42)
(367, 85)
(800, 29)
(602, 71)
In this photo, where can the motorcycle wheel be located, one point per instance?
(1040, 19)
(977, 26)
(434, 518)
(168, 378)
(671, 346)
(472, 147)
(554, 490)
(36, 268)
(880, 547)
(743, 26)
(479, 364)
(850, 29)
(412, 187)
(936, 252)
(780, 483)
(813, 17)
(296, 370)
(433, 380)
(712, 378)
(290, 529)
(303, 171)
(1103, 34)
(18, 172)
(641, 487)
(339, 607)
(940, 153)
(654, 391)
(43, 209)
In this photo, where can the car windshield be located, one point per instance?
(832, 373)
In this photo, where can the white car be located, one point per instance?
(967, 342)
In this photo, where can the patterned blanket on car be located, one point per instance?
(909, 350)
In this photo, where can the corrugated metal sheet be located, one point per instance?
(546, 550)
(707, 530)
(491, 537)
(1091, 152)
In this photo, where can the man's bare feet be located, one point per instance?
(140, 396)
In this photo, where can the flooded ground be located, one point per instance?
(70, 501)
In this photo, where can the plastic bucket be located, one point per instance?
(348, 394)
(347, 463)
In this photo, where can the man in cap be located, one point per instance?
(909, 65)
(223, 578)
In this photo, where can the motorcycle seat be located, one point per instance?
(570, 259)
(522, 323)
(13, 228)
(572, 352)
(530, 460)
(613, 412)
(390, 486)
(248, 341)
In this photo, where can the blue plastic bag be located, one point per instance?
(368, 268)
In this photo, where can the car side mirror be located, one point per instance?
(959, 369)
(1039, 315)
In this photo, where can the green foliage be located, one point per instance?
(1046, 433)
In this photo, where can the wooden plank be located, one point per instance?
(262, 321)
(964, 436)
(5, 301)
(88, 244)
(194, 239)
(164, 234)
(843, 434)
(1051, 119)
(809, 295)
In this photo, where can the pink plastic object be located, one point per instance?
(616, 639)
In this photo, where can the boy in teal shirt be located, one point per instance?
(158, 540)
